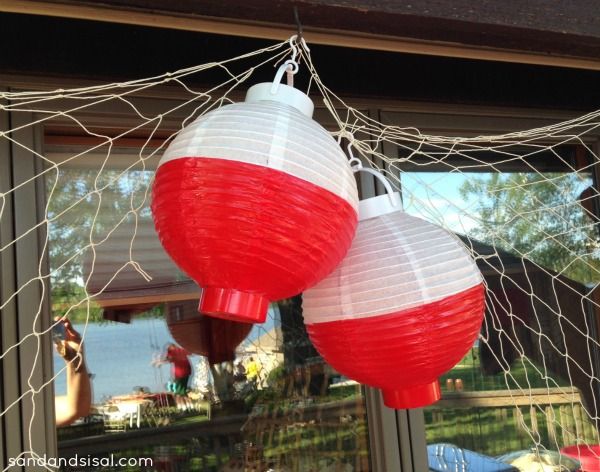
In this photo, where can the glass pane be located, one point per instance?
(257, 396)
(529, 380)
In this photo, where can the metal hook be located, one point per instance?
(291, 67)
(301, 40)
(355, 163)
(294, 47)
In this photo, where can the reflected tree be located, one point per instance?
(538, 217)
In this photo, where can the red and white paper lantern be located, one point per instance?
(255, 201)
(403, 307)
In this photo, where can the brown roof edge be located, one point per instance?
(544, 32)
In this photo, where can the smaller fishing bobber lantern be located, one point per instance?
(214, 338)
(403, 307)
(255, 201)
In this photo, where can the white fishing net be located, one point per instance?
(524, 201)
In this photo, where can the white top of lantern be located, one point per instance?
(380, 205)
(270, 133)
(267, 91)
(396, 262)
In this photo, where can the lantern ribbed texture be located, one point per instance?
(255, 202)
(403, 307)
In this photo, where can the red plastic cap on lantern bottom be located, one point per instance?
(234, 305)
(412, 397)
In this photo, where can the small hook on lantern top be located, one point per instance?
(291, 66)
(294, 47)
(298, 42)
(357, 166)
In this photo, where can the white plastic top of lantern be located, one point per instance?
(267, 91)
(379, 205)
(396, 262)
(277, 134)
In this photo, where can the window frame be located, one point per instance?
(396, 438)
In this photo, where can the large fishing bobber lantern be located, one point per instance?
(403, 307)
(255, 201)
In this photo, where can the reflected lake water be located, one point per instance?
(119, 355)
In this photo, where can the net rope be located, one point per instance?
(503, 216)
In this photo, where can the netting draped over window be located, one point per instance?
(523, 201)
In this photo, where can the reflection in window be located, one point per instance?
(258, 396)
(535, 238)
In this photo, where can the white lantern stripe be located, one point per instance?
(382, 273)
(409, 232)
(201, 140)
(461, 281)
(213, 134)
(270, 158)
(394, 269)
(254, 123)
(373, 231)
(262, 116)
(381, 300)
(430, 259)
(413, 240)
(419, 247)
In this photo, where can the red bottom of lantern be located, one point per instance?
(403, 353)
(414, 396)
(234, 305)
(248, 229)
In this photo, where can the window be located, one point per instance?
(527, 212)
(258, 394)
